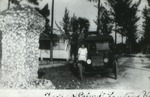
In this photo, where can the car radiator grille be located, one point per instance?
(97, 61)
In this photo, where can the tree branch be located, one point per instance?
(61, 30)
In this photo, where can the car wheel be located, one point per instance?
(115, 69)
(80, 66)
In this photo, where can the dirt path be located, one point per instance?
(134, 73)
(137, 74)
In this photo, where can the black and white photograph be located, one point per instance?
(69, 46)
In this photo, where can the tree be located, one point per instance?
(17, 2)
(83, 27)
(74, 28)
(148, 2)
(75, 34)
(34, 2)
(99, 14)
(66, 24)
(125, 19)
(146, 27)
(48, 29)
(14, 2)
(74, 24)
(45, 12)
(106, 23)
(80, 29)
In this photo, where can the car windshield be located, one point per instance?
(102, 46)
(97, 47)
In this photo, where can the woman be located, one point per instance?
(82, 53)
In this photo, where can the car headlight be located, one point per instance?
(89, 61)
(106, 60)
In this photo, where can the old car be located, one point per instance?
(100, 58)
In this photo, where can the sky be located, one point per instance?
(81, 8)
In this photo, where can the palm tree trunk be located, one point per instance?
(8, 4)
(98, 20)
(122, 38)
(51, 42)
(130, 47)
(115, 35)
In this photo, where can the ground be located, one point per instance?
(134, 73)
